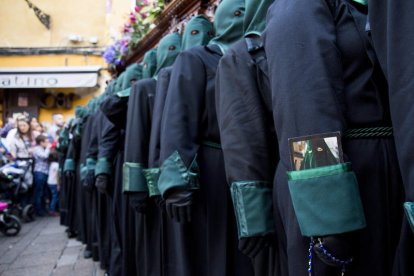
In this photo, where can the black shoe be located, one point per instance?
(87, 254)
(72, 234)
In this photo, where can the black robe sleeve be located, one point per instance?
(242, 115)
(109, 139)
(182, 122)
(247, 139)
(153, 171)
(307, 80)
(137, 135)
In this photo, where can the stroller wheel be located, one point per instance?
(28, 213)
(12, 225)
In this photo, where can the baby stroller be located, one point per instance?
(9, 225)
(13, 186)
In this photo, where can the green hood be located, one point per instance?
(255, 16)
(133, 72)
(228, 23)
(80, 111)
(118, 82)
(149, 64)
(198, 31)
(110, 89)
(168, 49)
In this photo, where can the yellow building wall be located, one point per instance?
(19, 26)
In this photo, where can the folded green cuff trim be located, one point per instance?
(90, 164)
(252, 201)
(328, 202)
(133, 178)
(69, 165)
(103, 166)
(318, 172)
(152, 176)
(83, 171)
(409, 212)
(175, 175)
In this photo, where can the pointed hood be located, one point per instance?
(228, 23)
(132, 73)
(198, 31)
(255, 16)
(149, 64)
(168, 49)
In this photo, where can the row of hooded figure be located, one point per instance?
(183, 165)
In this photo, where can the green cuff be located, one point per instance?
(252, 201)
(83, 171)
(133, 178)
(90, 164)
(152, 176)
(175, 175)
(409, 212)
(69, 165)
(103, 166)
(326, 200)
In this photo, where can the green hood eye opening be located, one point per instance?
(197, 32)
(228, 23)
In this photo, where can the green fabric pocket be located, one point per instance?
(326, 200)
(103, 166)
(90, 164)
(175, 175)
(409, 212)
(69, 165)
(133, 178)
(152, 175)
(252, 201)
(83, 172)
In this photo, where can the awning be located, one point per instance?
(49, 77)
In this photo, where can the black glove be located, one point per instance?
(89, 181)
(139, 201)
(70, 176)
(178, 206)
(253, 245)
(102, 183)
(339, 246)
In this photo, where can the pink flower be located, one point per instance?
(132, 17)
(137, 8)
(145, 2)
(144, 15)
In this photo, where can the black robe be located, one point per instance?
(71, 191)
(138, 130)
(115, 109)
(111, 147)
(189, 126)
(248, 138)
(392, 32)
(325, 77)
(100, 202)
(84, 196)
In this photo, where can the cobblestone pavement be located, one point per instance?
(43, 249)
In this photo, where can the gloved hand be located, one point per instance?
(139, 201)
(89, 181)
(251, 246)
(339, 246)
(102, 183)
(70, 175)
(178, 206)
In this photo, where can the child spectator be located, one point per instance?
(52, 181)
(40, 172)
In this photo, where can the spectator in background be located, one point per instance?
(20, 143)
(58, 122)
(40, 172)
(7, 127)
(52, 181)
